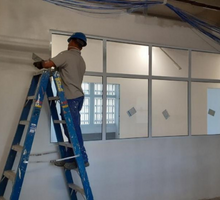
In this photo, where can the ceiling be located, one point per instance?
(206, 10)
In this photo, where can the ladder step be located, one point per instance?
(17, 148)
(59, 122)
(39, 72)
(30, 97)
(2, 198)
(77, 188)
(10, 175)
(24, 122)
(65, 144)
(53, 98)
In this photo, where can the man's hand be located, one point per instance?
(39, 64)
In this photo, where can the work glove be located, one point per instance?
(38, 64)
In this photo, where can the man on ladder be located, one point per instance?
(71, 67)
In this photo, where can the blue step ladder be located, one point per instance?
(41, 85)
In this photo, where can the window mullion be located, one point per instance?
(92, 104)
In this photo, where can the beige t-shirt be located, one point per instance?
(71, 67)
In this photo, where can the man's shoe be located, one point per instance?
(70, 166)
(58, 163)
(86, 164)
(73, 165)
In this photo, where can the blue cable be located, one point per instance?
(196, 23)
(111, 6)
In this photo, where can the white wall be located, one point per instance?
(164, 168)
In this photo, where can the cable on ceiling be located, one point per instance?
(113, 6)
(195, 3)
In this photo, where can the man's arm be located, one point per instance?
(48, 64)
(44, 64)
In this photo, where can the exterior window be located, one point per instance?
(85, 111)
(111, 89)
(110, 113)
(98, 111)
(98, 89)
(86, 88)
(92, 107)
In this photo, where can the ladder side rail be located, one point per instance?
(31, 92)
(73, 137)
(18, 134)
(20, 173)
(59, 136)
(54, 114)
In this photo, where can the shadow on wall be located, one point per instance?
(216, 198)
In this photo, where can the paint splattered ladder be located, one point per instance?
(40, 85)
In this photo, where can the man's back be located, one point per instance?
(72, 67)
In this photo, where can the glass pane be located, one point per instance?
(169, 62)
(205, 108)
(93, 59)
(86, 88)
(111, 111)
(90, 130)
(169, 108)
(127, 111)
(93, 129)
(111, 89)
(127, 58)
(93, 55)
(98, 89)
(58, 43)
(98, 110)
(58, 108)
(205, 65)
(85, 114)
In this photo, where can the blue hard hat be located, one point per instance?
(80, 36)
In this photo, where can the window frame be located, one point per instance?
(104, 75)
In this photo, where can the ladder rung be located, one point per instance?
(17, 148)
(24, 122)
(39, 72)
(53, 98)
(30, 97)
(65, 144)
(10, 175)
(2, 198)
(59, 122)
(77, 188)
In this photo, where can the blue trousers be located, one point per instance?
(75, 105)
